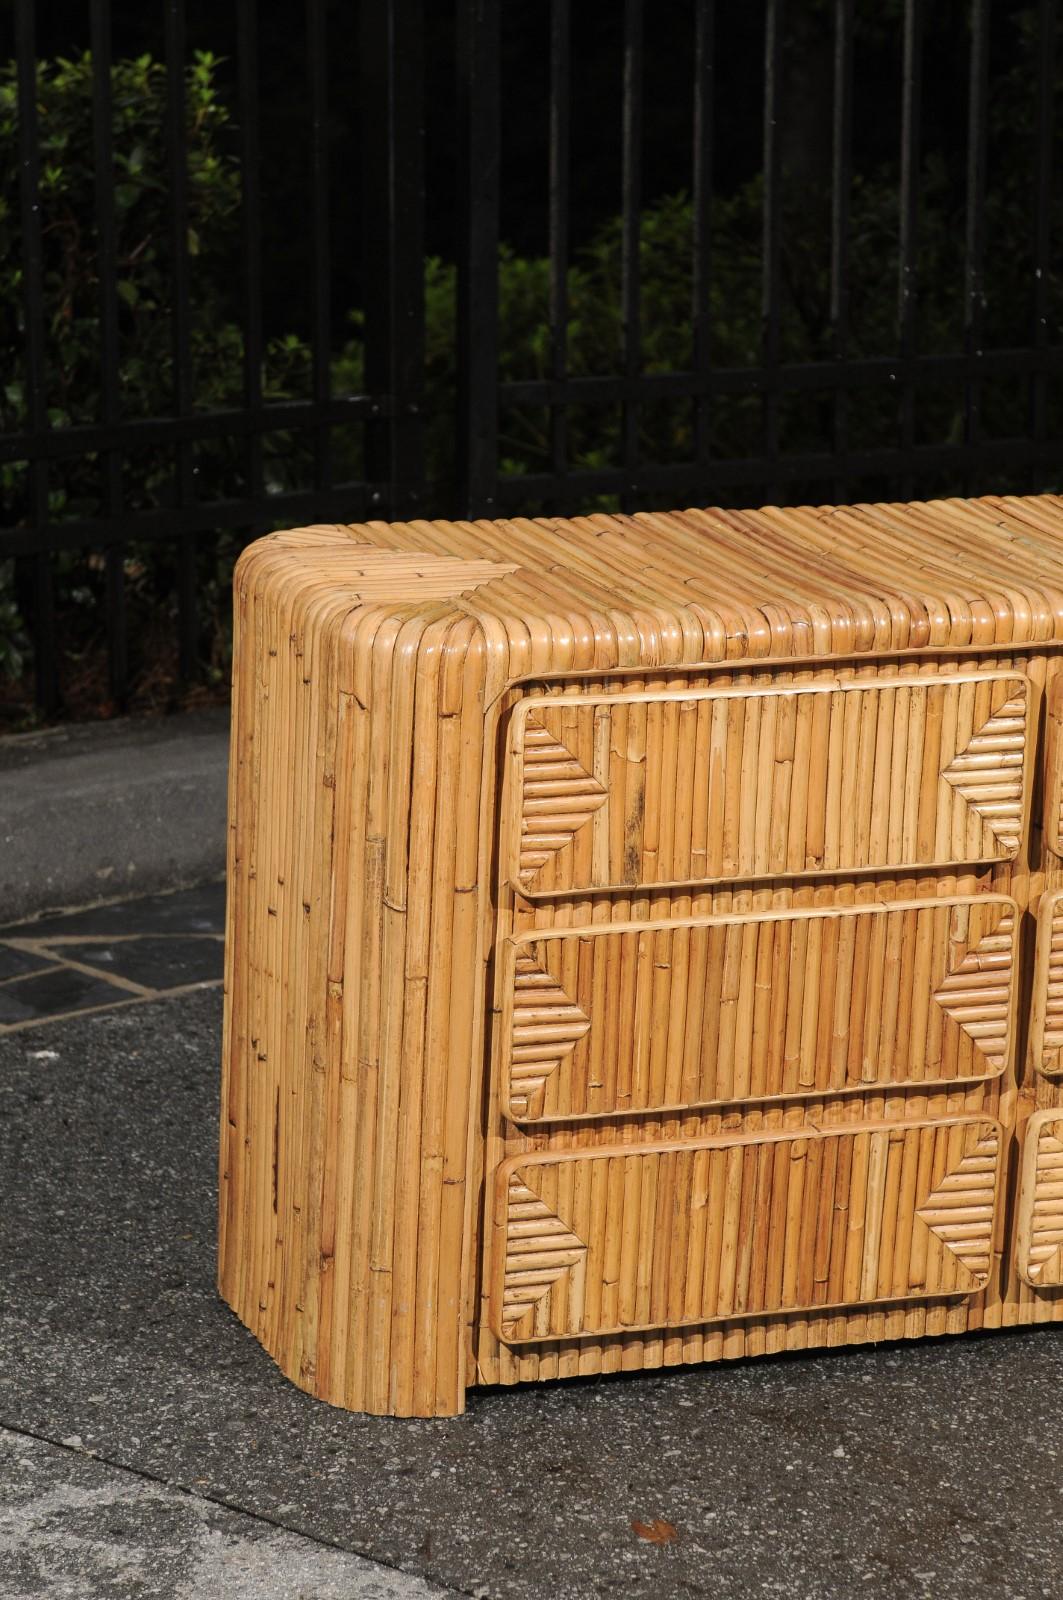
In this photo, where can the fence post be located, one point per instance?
(478, 189)
(392, 122)
(43, 621)
(110, 363)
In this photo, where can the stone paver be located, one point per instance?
(200, 910)
(112, 954)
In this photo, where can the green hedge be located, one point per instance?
(71, 292)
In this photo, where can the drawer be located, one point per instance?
(655, 1016)
(1046, 1015)
(1053, 784)
(1039, 1220)
(615, 791)
(619, 1239)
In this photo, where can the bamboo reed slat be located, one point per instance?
(631, 952)
(1046, 1025)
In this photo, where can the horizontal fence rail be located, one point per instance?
(782, 301)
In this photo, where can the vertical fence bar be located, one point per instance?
(907, 285)
(251, 245)
(631, 237)
(45, 658)
(479, 130)
(391, 94)
(771, 279)
(406, 203)
(1044, 125)
(107, 263)
(320, 315)
(560, 155)
(841, 185)
(974, 252)
(181, 324)
(701, 318)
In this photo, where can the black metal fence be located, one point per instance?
(858, 294)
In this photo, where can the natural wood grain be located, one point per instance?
(1039, 1222)
(1046, 1026)
(1053, 784)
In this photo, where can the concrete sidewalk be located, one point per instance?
(100, 810)
(73, 1527)
(925, 1470)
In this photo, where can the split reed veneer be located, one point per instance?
(645, 941)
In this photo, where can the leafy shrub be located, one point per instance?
(72, 343)
(594, 343)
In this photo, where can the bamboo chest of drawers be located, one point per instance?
(645, 941)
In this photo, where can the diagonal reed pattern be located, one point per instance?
(988, 772)
(540, 1250)
(560, 795)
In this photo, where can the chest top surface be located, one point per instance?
(608, 591)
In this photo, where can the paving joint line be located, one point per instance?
(225, 1505)
(49, 941)
(146, 998)
(127, 985)
(34, 972)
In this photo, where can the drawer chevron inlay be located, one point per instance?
(977, 993)
(539, 1251)
(624, 789)
(546, 1027)
(611, 1018)
(717, 1229)
(960, 1210)
(559, 796)
(1040, 1215)
(988, 771)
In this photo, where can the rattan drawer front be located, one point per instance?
(613, 791)
(1039, 1220)
(658, 1016)
(1046, 1021)
(638, 1237)
(1053, 784)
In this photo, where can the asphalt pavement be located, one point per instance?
(151, 1448)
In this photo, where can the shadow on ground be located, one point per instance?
(923, 1470)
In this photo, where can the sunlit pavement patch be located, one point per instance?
(72, 1526)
